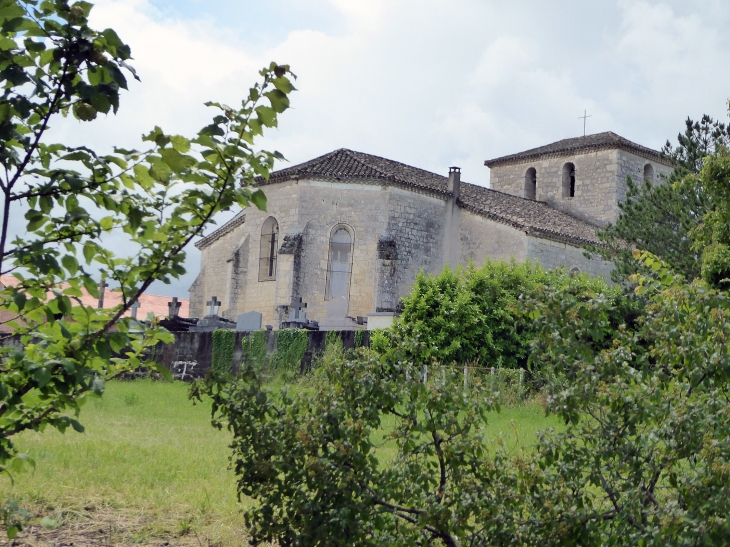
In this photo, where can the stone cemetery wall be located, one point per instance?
(191, 356)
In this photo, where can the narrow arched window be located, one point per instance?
(340, 263)
(267, 256)
(568, 180)
(648, 172)
(531, 183)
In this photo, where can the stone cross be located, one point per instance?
(102, 286)
(297, 307)
(583, 117)
(213, 306)
(173, 307)
(135, 307)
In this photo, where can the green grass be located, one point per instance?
(146, 449)
(150, 463)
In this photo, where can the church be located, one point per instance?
(353, 225)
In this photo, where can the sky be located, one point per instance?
(428, 83)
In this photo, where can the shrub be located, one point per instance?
(471, 315)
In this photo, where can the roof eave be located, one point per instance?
(514, 159)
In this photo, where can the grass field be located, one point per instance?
(151, 470)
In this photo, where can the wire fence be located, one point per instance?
(511, 383)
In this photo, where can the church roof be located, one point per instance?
(348, 164)
(534, 217)
(576, 145)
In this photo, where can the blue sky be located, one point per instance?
(426, 82)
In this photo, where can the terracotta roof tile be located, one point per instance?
(534, 217)
(598, 141)
(149, 303)
(344, 164)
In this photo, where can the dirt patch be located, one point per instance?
(105, 526)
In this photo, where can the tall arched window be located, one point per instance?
(648, 172)
(568, 180)
(531, 183)
(340, 262)
(267, 256)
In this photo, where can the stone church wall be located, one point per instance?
(633, 166)
(480, 238)
(552, 254)
(416, 224)
(600, 181)
(407, 223)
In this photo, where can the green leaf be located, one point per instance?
(70, 263)
(142, 174)
(175, 160)
(181, 144)
(279, 101)
(259, 200)
(164, 371)
(42, 376)
(283, 84)
(106, 223)
(266, 116)
(76, 425)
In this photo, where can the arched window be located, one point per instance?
(648, 172)
(267, 256)
(531, 183)
(568, 180)
(340, 262)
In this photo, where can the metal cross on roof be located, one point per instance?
(583, 117)
(213, 306)
(134, 308)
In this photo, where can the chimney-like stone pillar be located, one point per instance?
(454, 185)
(452, 220)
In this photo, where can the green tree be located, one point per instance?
(699, 140)
(53, 64)
(643, 457)
(713, 234)
(661, 218)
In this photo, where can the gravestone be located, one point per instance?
(211, 321)
(249, 321)
(337, 318)
(337, 308)
(297, 318)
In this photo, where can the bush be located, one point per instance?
(476, 315)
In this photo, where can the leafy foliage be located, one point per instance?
(309, 459)
(713, 235)
(291, 345)
(473, 315)
(255, 350)
(53, 64)
(699, 140)
(659, 219)
(642, 458)
(224, 343)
